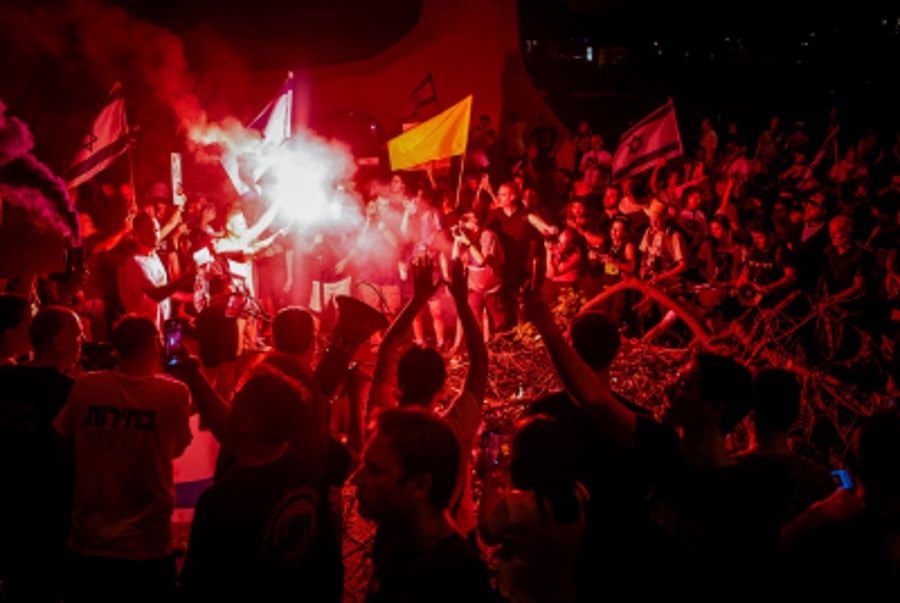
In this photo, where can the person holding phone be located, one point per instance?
(538, 519)
(126, 427)
(713, 521)
(852, 534)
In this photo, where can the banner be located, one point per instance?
(107, 140)
(444, 135)
(654, 137)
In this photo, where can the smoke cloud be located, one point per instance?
(105, 44)
(29, 185)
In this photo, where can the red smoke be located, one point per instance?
(28, 184)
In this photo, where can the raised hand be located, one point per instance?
(423, 278)
(535, 308)
(459, 280)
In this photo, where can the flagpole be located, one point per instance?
(131, 180)
(462, 167)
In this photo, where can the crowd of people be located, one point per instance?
(595, 496)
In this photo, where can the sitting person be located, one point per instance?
(768, 275)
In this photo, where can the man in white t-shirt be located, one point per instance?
(127, 426)
(144, 286)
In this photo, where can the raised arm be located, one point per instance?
(160, 293)
(655, 188)
(381, 392)
(541, 225)
(261, 225)
(171, 223)
(587, 389)
(476, 377)
(212, 407)
(110, 242)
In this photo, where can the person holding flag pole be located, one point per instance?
(444, 135)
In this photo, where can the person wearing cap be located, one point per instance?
(663, 247)
(664, 262)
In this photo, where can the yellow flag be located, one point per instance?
(444, 135)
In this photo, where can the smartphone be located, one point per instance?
(173, 343)
(842, 479)
(491, 446)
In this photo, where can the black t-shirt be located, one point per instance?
(265, 533)
(801, 480)
(518, 238)
(850, 559)
(37, 474)
(450, 571)
(617, 528)
(808, 254)
(842, 270)
(764, 267)
(717, 527)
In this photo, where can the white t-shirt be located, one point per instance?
(136, 274)
(244, 270)
(126, 431)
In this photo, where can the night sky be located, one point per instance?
(724, 60)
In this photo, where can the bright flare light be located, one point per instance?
(302, 177)
(305, 175)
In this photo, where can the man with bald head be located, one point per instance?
(37, 478)
(846, 278)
